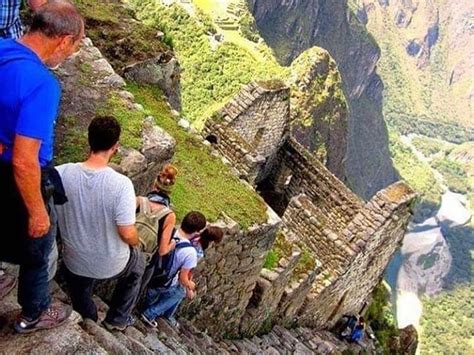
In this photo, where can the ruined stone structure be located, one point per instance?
(350, 242)
(249, 129)
(331, 247)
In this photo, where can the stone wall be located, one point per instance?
(333, 201)
(227, 276)
(266, 297)
(386, 217)
(349, 243)
(251, 127)
(314, 231)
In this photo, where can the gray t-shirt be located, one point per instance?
(185, 258)
(99, 201)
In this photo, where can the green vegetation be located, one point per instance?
(271, 260)
(109, 25)
(209, 76)
(306, 263)
(427, 260)
(282, 248)
(454, 175)
(448, 322)
(448, 318)
(204, 182)
(429, 146)
(417, 174)
(381, 318)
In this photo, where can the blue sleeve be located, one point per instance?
(38, 111)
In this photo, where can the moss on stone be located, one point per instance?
(306, 263)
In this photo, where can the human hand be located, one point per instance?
(190, 294)
(38, 223)
(172, 244)
(191, 286)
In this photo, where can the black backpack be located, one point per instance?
(162, 274)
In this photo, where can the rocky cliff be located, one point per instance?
(290, 27)
(427, 55)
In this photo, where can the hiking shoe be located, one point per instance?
(7, 284)
(173, 321)
(53, 317)
(152, 323)
(111, 327)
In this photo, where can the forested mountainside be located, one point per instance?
(426, 65)
(291, 27)
(427, 55)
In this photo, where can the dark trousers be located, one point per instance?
(124, 297)
(18, 248)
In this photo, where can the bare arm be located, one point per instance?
(36, 4)
(129, 234)
(27, 173)
(185, 279)
(166, 244)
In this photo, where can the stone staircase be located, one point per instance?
(87, 337)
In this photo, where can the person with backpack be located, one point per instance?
(156, 221)
(172, 273)
(201, 241)
(97, 224)
(358, 332)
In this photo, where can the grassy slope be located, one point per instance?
(209, 77)
(204, 182)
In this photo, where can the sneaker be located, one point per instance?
(111, 327)
(53, 317)
(173, 322)
(7, 284)
(152, 323)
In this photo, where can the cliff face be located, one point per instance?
(290, 27)
(427, 55)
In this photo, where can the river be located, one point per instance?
(424, 258)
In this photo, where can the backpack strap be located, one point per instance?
(144, 205)
(162, 213)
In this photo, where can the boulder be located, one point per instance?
(158, 145)
(133, 162)
(163, 71)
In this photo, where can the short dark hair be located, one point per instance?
(211, 234)
(104, 133)
(193, 222)
(57, 18)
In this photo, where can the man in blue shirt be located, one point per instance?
(28, 109)
(10, 22)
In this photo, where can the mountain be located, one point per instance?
(290, 27)
(427, 61)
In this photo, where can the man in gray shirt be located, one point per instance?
(98, 229)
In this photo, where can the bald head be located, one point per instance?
(58, 18)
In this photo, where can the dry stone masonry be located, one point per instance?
(331, 247)
(348, 241)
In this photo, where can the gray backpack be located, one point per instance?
(147, 223)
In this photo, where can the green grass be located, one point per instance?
(271, 260)
(429, 146)
(204, 182)
(209, 77)
(108, 24)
